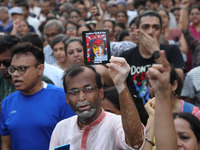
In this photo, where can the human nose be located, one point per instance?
(81, 95)
(178, 142)
(15, 73)
(76, 54)
(2, 66)
(150, 31)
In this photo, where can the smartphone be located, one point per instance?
(63, 147)
(95, 4)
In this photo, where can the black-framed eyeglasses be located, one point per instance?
(86, 90)
(20, 69)
(6, 63)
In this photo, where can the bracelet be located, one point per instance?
(150, 141)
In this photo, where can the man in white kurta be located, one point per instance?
(105, 133)
(93, 128)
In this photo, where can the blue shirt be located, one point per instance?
(30, 119)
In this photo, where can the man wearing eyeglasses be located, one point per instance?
(6, 86)
(52, 28)
(93, 128)
(29, 115)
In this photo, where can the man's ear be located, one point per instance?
(40, 69)
(66, 97)
(135, 28)
(101, 93)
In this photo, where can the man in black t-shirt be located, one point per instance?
(142, 57)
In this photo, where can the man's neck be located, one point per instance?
(86, 122)
(37, 87)
(6, 22)
(144, 52)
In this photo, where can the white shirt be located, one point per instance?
(105, 133)
(35, 23)
(54, 73)
(48, 55)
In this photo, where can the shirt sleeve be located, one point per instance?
(188, 88)
(3, 127)
(175, 58)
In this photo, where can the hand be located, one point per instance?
(185, 4)
(94, 10)
(150, 107)
(150, 43)
(16, 24)
(118, 69)
(159, 76)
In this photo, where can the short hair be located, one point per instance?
(165, 10)
(34, 39)
(75, 69)
(150, 13)
(84, 25)
(25, 47)
(133, 21)
(67, 6)
(174, 9)
(70, 40)
(75, 10)
(194, 7)
(123, 34)
(121, 25)
(137, 3)
(112, 95)
(192, 120)
(7, 42)
(24, 4)
(59, 38)
(56, 22)
(110, 20)
(121, 11)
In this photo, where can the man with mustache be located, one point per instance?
(29, 115)
(92, 127)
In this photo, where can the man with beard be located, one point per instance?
(92, 127)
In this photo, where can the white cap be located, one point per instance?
(16, 10)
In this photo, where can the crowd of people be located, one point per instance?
(147, 97)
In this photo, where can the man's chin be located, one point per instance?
(86, 113)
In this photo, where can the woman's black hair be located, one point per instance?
(194, 7)
(112, 95)
(123, 34)
(59, 38)
(175, 77)
(192, 120)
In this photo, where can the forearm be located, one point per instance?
(164, 125)
(99, 25)
(130, 119)
(149, 133)
(6, 143)
(184, 18)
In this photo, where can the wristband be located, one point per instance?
(150, 141)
